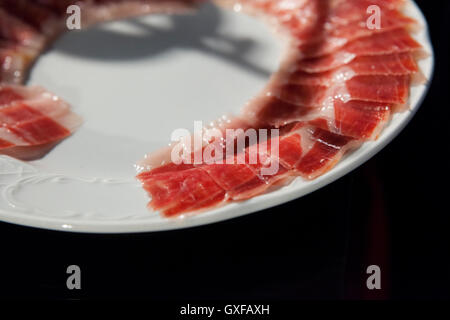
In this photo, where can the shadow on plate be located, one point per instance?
(197, 32)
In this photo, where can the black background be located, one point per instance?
(392, 212)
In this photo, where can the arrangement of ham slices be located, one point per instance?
(337, 87)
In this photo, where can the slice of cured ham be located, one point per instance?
(32, 121)
(327, 150)
(397, 41)
(385, 89)
(361, 120)
(338, 36)
(382, 65)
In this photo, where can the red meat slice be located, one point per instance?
(325, 153)
(385, 89)
(180, 191)
(396, 41)
(30, 125)
(338, 36)
(393, 64)
(32, 121)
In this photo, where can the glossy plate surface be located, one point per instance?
(134, 82)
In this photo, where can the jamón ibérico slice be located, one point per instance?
(393, 64)
(32, 121)
(337, 37)
(229, 176)
(360, 120)
(396, 41)
(324, 154)
(385, 89)
(30, 125)
(180, 191)
(290, 150)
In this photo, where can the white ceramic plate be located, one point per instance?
(134, 82)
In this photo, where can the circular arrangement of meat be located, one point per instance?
(337, 86)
